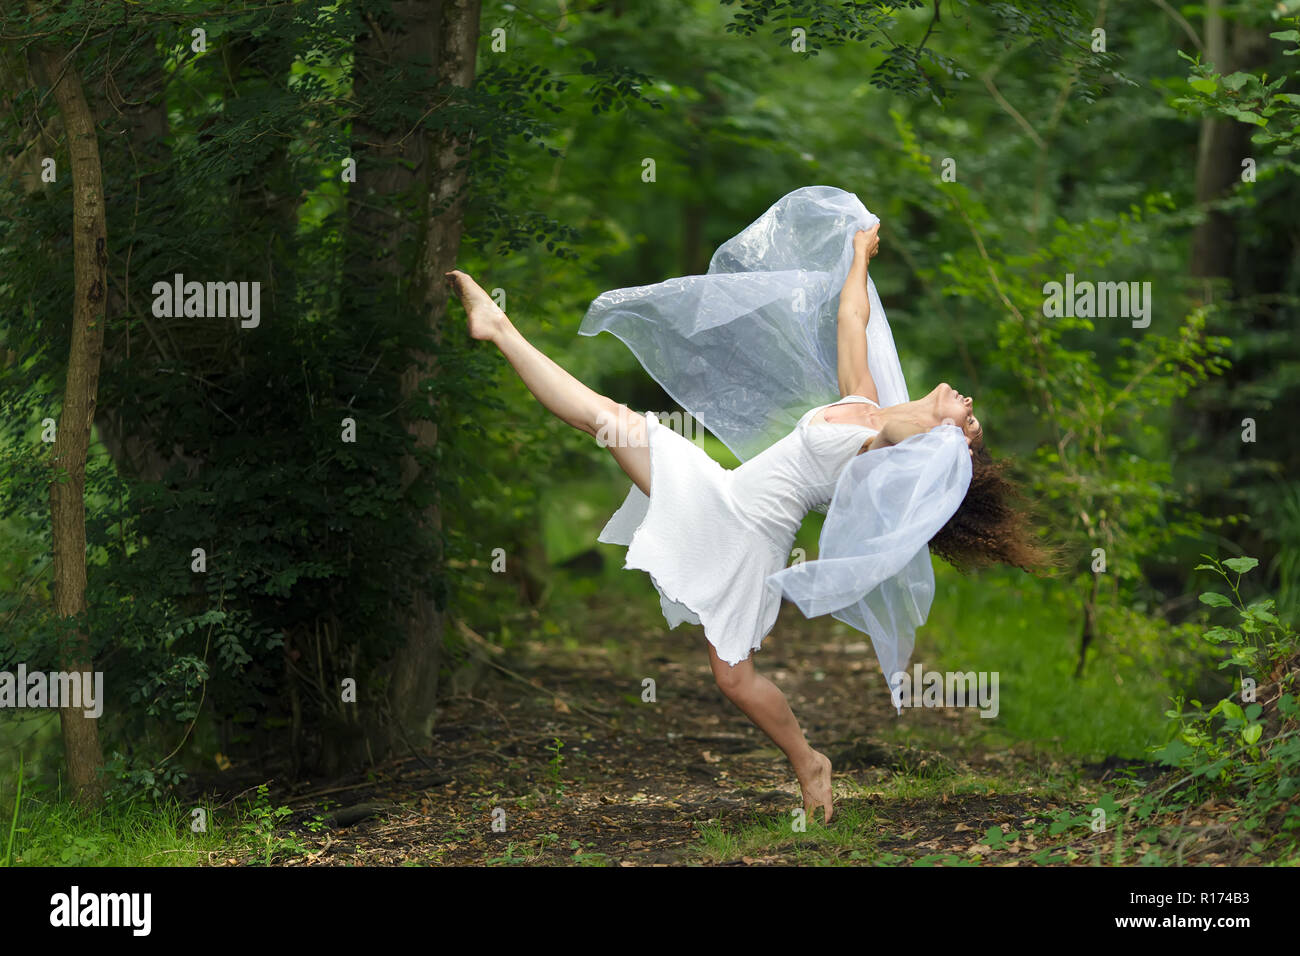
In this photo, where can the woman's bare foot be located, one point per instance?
(815, 782)
(486, 320)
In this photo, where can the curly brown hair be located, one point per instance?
(988, 528)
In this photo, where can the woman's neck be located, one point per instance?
(920, 412)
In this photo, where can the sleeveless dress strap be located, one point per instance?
(847, 399)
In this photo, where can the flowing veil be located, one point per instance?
(747, 349)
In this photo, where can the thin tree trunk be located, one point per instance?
(67, 486)
(1215, 166)
(1089, 632)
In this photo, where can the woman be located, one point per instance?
(715, 541)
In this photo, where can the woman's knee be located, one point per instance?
(731, 680)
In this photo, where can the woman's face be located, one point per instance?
(950, 403)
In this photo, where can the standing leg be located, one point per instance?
(562, 394)
(764, 704)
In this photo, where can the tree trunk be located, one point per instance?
(1224, 143)
(399, 257)
(67, 486)
(413, 691)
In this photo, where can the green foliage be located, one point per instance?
(1260, 304)
(264, 829)
(1251, 99)
(1249, 754)
(138, 776)
(1097, 393)
(910, 61)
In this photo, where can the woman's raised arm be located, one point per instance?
(854, 313)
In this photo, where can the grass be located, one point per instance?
(850, 838)
(55, 833)
(1027, 630)
(46, 830)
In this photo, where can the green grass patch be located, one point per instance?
(1027, 630)
(134, 834)
(50, 831)
(850, 838)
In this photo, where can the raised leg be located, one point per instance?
(618, 428)
(764, 704)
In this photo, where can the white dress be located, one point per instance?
(710, 536)
(745, 349)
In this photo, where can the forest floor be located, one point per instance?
(553, 757)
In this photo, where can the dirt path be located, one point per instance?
(575, 767)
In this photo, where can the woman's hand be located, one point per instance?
(867, 241)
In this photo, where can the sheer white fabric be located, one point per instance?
(748, 348)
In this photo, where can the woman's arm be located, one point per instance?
(893, 433)
(896, 431)
(854, 313)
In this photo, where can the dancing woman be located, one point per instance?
(715, 541)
